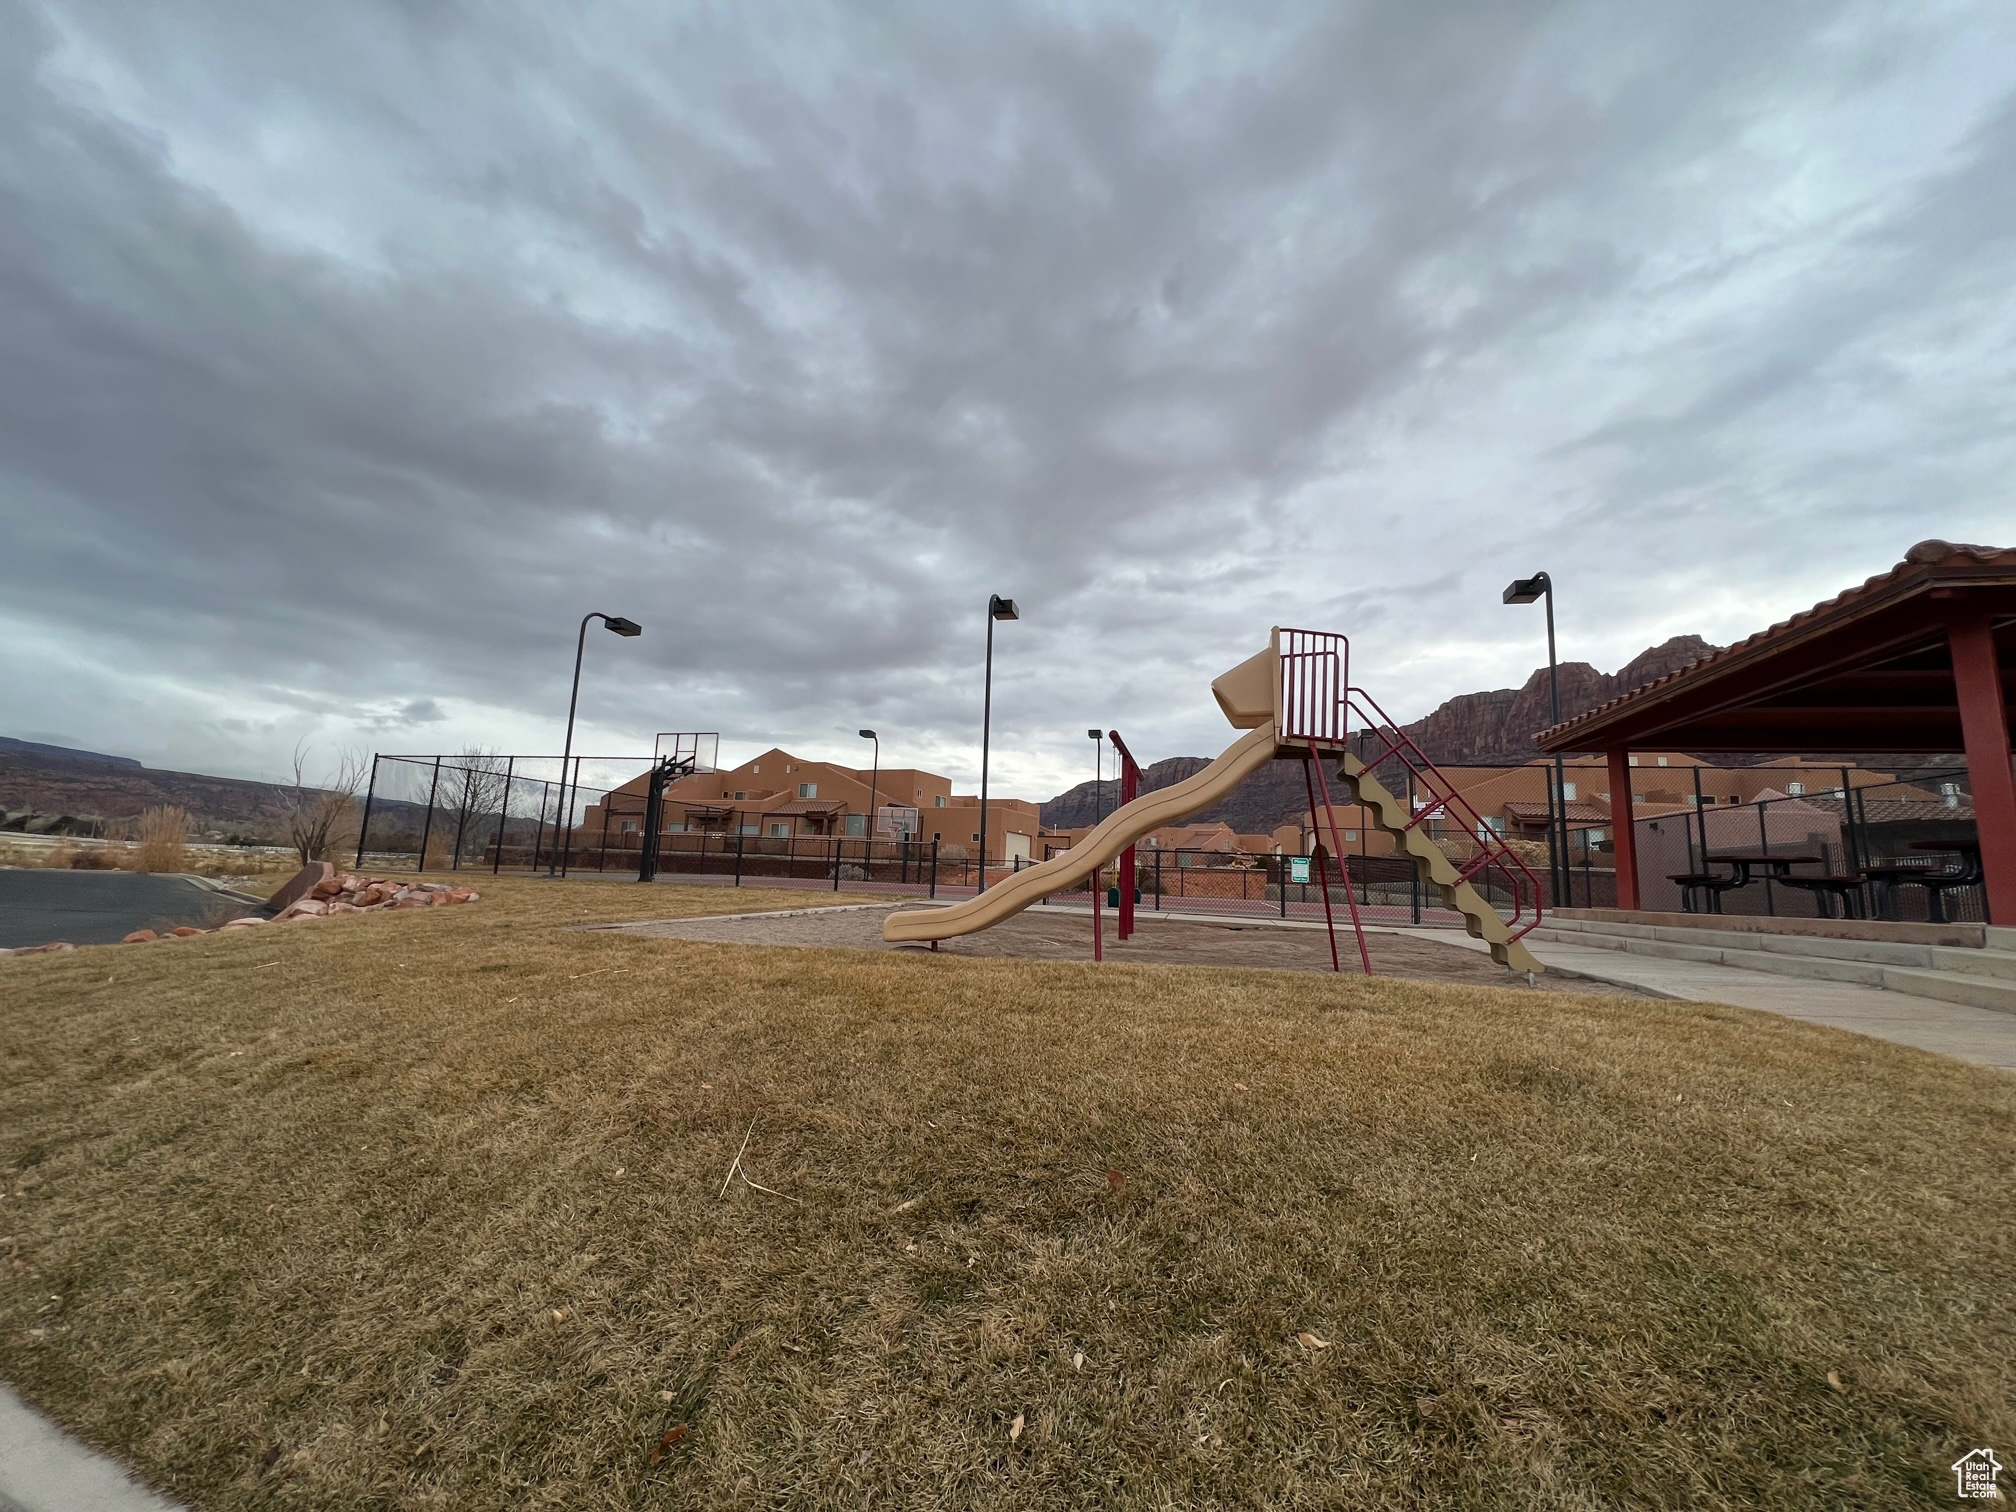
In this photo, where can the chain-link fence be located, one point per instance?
(1856, 848)
(493, 813)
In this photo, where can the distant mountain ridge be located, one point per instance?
(1495, 728)
(55, 780)
(36, 747)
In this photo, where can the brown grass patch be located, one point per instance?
(426, 1210)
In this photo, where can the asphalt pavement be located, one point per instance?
(40, 905)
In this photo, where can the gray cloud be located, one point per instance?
(351, 359)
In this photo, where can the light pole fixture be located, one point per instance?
(1525, 591)
(617, 625)
(874, 776)
(998, 608)
(1098, 773)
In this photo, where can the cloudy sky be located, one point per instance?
(353, 352)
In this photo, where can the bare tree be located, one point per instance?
(321, 816)
(474, 788)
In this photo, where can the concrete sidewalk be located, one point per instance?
(43, 1469)
(1981, 1035)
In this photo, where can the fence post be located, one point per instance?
(1763, 839)
(836, 863)
(539, 838)
(461, 822)
(567, 794)
(364, 828)
(1413, 865)
(503, 811)
(427, 828)
(1281, 882)
(934, 866)
(1158, 879)
(738, 855)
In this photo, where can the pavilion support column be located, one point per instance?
(1984, 727)
(1623, 838)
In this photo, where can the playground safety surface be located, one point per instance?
(1159, 940)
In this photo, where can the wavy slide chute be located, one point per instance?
(1113, 834)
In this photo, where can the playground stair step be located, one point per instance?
(1979, 976)
(1480, 919)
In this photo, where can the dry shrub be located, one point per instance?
(164, 840)
(92, 858)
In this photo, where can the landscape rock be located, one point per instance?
(54, 945)
(184, 931)
(241, 923)
(140, 937)
(338, 906)
(326, 889)
(303, 908)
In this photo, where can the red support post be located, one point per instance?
(1984, 730)
(1098, 934)
(1623, 838)
(1130, 789)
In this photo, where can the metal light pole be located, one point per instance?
(998, 608)
(620, 626)
(1525, 591)
(874, 776)
(1098, 774)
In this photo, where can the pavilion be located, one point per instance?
(1920, 659)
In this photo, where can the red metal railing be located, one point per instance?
(1318, 707)
(1446, 799)
(1315, 675)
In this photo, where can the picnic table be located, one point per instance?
(1937, 881)
(1712, 884)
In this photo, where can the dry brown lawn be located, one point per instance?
(426, 1210)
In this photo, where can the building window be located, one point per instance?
(627, 827)
(939, 801)
(750, 829)
(808, 790)
(976, 837)
(1662, 761)
(1568, 791)
(756, 770)
(1792, 790)
(1348, 835)
(740, 794)
(857, 824)
(780, 831)
(675, 829)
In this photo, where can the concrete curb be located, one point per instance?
(43, 1469)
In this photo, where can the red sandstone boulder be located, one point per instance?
(184, 931)
(140, 937)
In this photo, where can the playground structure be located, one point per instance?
(1296, 701)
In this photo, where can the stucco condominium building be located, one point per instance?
(779, 796)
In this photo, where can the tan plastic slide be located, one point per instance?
(1117, 831)
(1249, 695)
